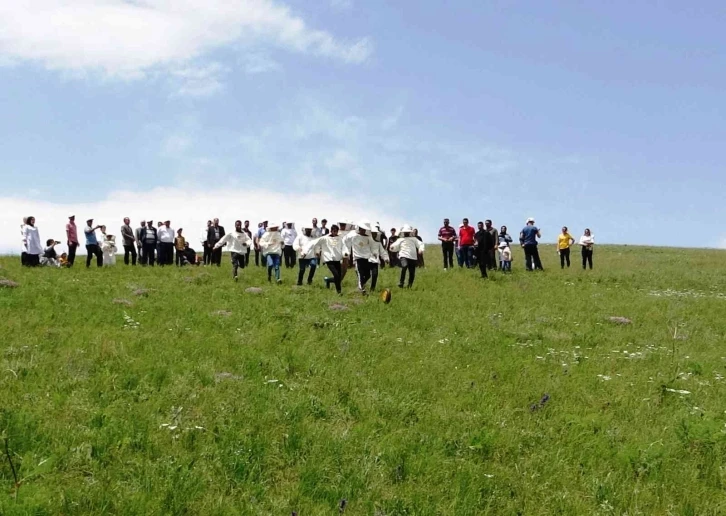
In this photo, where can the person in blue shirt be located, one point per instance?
(528, 238)
(92, 247)
(261, 229)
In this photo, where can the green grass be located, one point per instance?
(423, 406)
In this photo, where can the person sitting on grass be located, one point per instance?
(190, 256)
(271, 246)
(63, 260)
(332, 251)
(50, 256)
(408, 249)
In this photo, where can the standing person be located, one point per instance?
(505, 257)
(24, 248)
(447, 237)
(246, 230)
(408, 248)
(528, 236)
(128, 240)
(180, 245)
(139, 242)
(166, 237)
(324, 227)
(379, 255)
(148, 242)
(306, 259)
(492, 253)
(331, 250)
(289, 234)
(360, 246)
(505, 238)
(72, 239)
(421, 262)
(159, 251)
(92, 247)
(587, 241)
(207, 250)
(237, 242)
(315, 231)
(271, 245)
(483, 243)
(109, 249)
(564, 242)
(392, 255)
(214, 235)
(466, 243)
(31, 242)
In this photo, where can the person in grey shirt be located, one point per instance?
(128, 241)
(139, 242)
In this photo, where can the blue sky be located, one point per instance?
(603, 116)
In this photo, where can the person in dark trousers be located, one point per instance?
(587, 241)
(492, 253)
(207, 250)
(483, 242)
(246, 229)
(447, 237)
(215, 233)
(261, 228)
(92, 247)
(409, 248)
(129, 242)
(139, 243)
(392, 255)
(528, 238)
(504, 238)
(305, 259)
(332, 251)
(148, 243)
(289, 234)
(72, 236)
(180, 245)
(466, 243)
(564, 242)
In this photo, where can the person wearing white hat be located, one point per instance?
(238, 242)
(361, 245)
(305, 259)
(408, 248)
(289, 234)
(528, 238)
(271, 246)
(505, 257)
(378, 254)
(332, 251)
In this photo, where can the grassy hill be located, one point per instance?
(513, 395)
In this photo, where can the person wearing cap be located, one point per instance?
(564, 242)
(378, 255)
(72, 239)
(408, 248)
(259, 256)
(360, 246)
(271, 246)
(492, 253)
(139, 242)
(447, 237)
(128, 240)
(237, 242)
(587, 241)
(466, 243)
(332, 252)
(214, 235)
(305, 259)
(166, 237)
(483, 242)
(148, 244)
(289, 234)
(92, 247)
(505, 257)
(180, 246)
(528, 237)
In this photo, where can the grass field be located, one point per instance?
(513, 395)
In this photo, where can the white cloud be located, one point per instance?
(199, 81)
(189, 208)
(254, 63)
(129, 39)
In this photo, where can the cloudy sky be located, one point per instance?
(608, 116)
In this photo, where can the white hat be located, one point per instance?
(271, 225)
(406, 229)
(502, 245)
(531, 219)
(364, 224)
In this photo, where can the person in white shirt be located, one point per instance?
(166, 236)
(289, 234)
(109, 249)
(345, 228)
(31, 242)
(238, 243)
(332, 252)
(587, 241)
(24, 248)
(360, 245)
(305, 259)
(377, 254)
(408, 248)
(271, 245)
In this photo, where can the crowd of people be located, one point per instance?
(363, 246)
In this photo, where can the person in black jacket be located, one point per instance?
(214, 235)
(148, 244)
(483, 242)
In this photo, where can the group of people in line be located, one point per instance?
(484, 245)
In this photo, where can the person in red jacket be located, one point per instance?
(466, 242)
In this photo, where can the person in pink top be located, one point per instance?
(72, 237)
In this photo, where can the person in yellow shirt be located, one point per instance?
(180, 244)
(564, 242)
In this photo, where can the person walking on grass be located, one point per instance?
(92, 247)
(447, 237)
(378, 255)
(587, 241)
(528, 237)
(214, 235)
(128, 239)
(139, 242)
(246, 229)
(180, 246)
(332, 252)
(466, 243)
(31, 242)
(305, 259)
(360, 247)
(483, 243)
(271, 246)
(261, 228)
(408, 248)
(564, 242)
(289, 234)
(392, 256)
(237, 242)
(72, 239)
(148, 242)
(346, 228)
(492, 252)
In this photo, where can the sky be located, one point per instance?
(607, 115)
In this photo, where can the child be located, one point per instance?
(505, 257)
(108, 247)
(64, 260)
(271, 245)
(180, 244)
(408, 249)
(50, 256)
